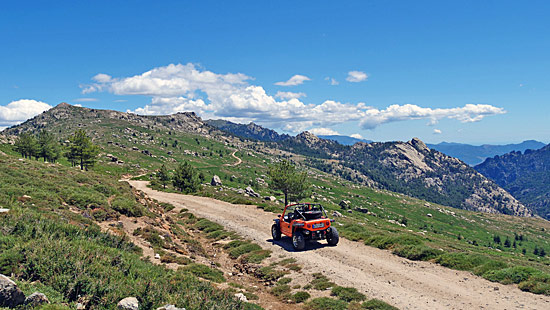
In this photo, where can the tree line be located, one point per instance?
(79, 149)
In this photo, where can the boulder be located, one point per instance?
(36, 299)
(241, 297)
(344, 204)
(251, 192)
(270, 198)
(2, 210)
(336, 214)
(362, 210)
(128, 303)
(216, 181)
(170, 307)
(10, 294)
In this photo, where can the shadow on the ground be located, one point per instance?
(286, 244)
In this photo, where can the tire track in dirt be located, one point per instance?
(379, 274)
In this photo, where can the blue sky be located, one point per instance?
(461, 71)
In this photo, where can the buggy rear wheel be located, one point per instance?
(298, 241)
(333, 237)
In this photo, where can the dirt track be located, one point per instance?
(377, 273)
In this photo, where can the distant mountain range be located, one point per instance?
(344, 140)
(474, 154)
(525, 175)
(405, 167)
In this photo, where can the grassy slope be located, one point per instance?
(51, 249)
(451, 230)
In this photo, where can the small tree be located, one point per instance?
(163, 176)
(48, 146)
(285, 178)
(81, 150)
(507, 242)
(26, 145)
(185, 178)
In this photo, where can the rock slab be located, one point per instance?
(128, 303)
(36, 299)
(10, 294)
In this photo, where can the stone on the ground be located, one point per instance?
(128, 303)
(24, 198)
(336, 214)
(216, 181)
(344, 204)
(2, 210)
(157, 256)
(251, 192)
(170, 307)
(36, 299)
(270, 198)
(10, 294)
(429, 215)
(241, 297)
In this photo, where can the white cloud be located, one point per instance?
(295, 80)
(78, 105)
(324, 131)
(356, 136)
(437, 132)
(332, 81)
(120, 100)
(289, 95)
(394, 113)
(356, 76)
(85, 100)
(18, 111)
(177, 88)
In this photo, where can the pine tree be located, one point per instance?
(81, 150)
(163, 175)
(185, 178)
(48, 147)
(536, 250)
(285, 178)
(507, 242)
(542, 252)
(26, 145)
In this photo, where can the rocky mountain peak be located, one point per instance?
(308, 138)
(419, 145)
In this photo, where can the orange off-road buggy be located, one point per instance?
(302, 222)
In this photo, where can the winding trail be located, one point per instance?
(239, 161)
(379, 274)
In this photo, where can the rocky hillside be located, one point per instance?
(250, 131)
(476, 154)
(525, 175)
(413, 169)
(65, 118)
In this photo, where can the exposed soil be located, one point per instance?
(239, 161)
(379, 274)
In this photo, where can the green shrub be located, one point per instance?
(511, 275)
(347, 293)
(489, 266)
(461, 261)
(537, 284)
(300, 297)
(280, 290)
(268, 273)
(204, 272)
(323, 303)
(127, 207)
(416, 252)
(320, 282)
(243, 249)
(376, 304)
(255, 257)
(283, 281)
(208, 226)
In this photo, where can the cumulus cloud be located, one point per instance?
(18, 111)
(324, 131)
(394, 113)
(356, 76)
(289, 95)
(356, 136)
(437, 132)
(177, 88)
(295, 80)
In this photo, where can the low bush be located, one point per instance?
(511, 275)
(377, 304)
(417, 252)
(300, 297)
(461, 261)
(347, 293)
(204, 272)
(323, 303)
